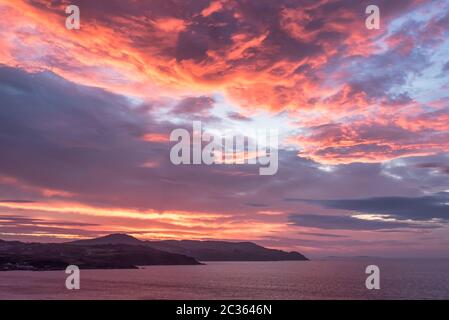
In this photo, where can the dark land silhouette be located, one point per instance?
(121, 251)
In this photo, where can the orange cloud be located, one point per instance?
(137, 55)
(156, 137)
(144, 224)
(212, 8)
(296, 59)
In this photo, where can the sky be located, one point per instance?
(362, 116)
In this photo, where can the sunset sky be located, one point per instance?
(363, 117)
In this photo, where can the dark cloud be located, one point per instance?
(323, 235)
(195, 108)
(335, 222)
(27, 228)
(424, 208)
(63, 136)
(113, 8)
(440, 167)
(416, 171)
(257, 205)
(446, 67)
(194, 105)
(237, 116)
(379, 82)
(22, 220)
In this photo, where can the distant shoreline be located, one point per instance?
(121, 251)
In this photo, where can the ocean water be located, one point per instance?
(343, 279)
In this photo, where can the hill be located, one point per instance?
(16, 255)
(204, 250)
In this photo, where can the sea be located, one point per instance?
(286, 280)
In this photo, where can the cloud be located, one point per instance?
(238, 117)
(330, 222)
(21, 220)
(84, 126)
(103, 154)
(79, 134)
(81, 150)
(323, 235)
(440, 167)
(246, 47)
(368, 141)
(424, 208)
(195, 108)
(314, 60)
(28, 228)
(194, 105)
(446, 67)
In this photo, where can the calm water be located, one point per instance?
(400, 279)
